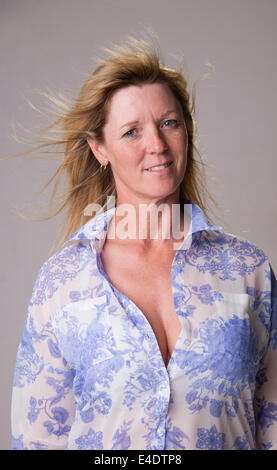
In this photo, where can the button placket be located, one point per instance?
(178, 281)
(160, 430)
(180, 297)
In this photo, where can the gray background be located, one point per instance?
(48, 45)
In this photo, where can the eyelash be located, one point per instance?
(168, 120)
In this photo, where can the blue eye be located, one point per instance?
(172, 121)
(127, 134)
(130, 133)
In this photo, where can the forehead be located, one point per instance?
(136, 98)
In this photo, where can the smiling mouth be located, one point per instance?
(159, 167)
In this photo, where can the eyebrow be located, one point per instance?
(130, 123)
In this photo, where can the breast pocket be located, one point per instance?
(84, 332)
(231, 305)
(235, 341)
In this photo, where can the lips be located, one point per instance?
(159, 167)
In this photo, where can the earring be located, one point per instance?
(103, 168)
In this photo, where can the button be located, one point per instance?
(187, 342)
(147, 335)
(179, 262)
(160, 431)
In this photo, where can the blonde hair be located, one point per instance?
(133, 62)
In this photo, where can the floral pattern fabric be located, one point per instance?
(89, 373)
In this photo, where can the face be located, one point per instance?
(145, 142)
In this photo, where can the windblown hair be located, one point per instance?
(135, 62)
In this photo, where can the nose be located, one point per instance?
(156, 142)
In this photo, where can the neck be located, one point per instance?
(155, 225)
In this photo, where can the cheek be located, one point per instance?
(126, 160)
(180, 149)
(131, 157)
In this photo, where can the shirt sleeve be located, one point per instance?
(265, 402)
(43, 406)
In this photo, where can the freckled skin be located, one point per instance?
(149, 142)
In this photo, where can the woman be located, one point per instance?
(134, 339)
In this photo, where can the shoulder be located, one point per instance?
(58, 275)
(231, 254)
(235, 245)
(63, 276)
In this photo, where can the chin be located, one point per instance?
(165, 192)
(160, 195)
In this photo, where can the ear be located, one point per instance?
(98, 151)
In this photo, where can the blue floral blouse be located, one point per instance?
(89, 373)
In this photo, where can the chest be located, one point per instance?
(148, 284)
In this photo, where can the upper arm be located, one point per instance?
(266, 388)
(43, 405)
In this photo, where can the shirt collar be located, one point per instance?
(95, 230)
